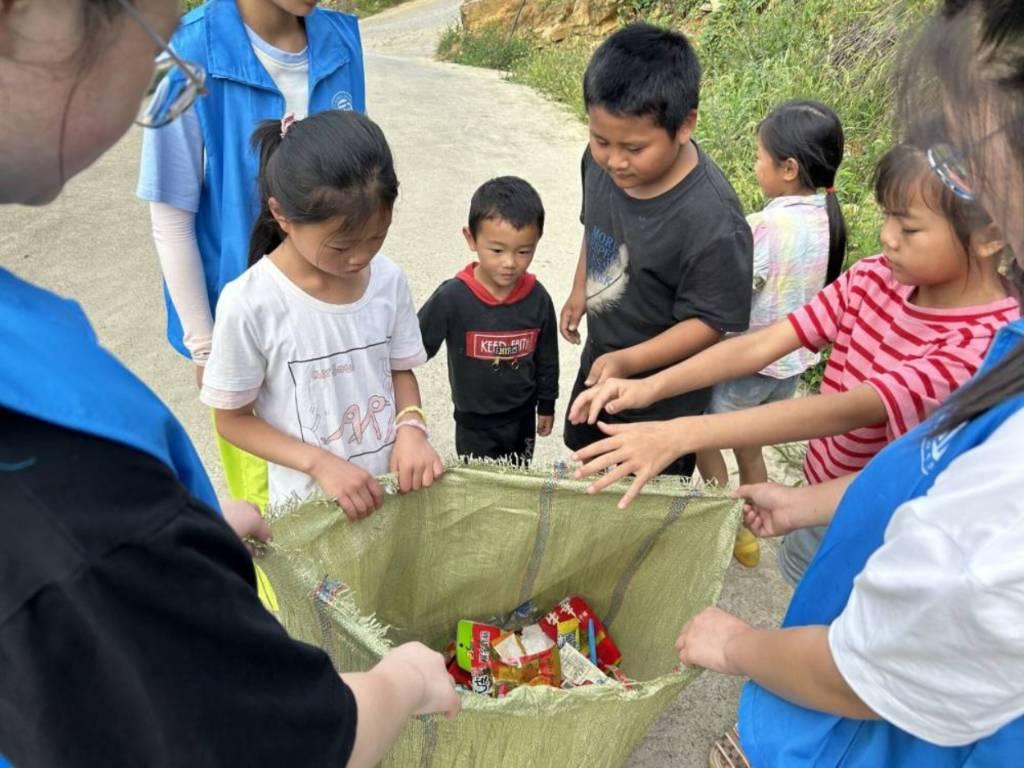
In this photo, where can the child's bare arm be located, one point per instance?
(355, 490)
(413, 458)
(677, 343)
(730, 359)
(576, 305)
(645, 449)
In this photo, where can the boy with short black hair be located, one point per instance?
(500, 327)
(666, 263)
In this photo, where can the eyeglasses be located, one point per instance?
(950, 165)
(176, 83)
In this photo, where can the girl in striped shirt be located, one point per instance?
(907, 327)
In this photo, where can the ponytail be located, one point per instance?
(836, 235)
(332, 165)
(266, 234)
(810, 133)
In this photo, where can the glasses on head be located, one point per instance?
(176, 83)
(950, 165)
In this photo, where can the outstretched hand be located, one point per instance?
(612, 395)
(644, 450)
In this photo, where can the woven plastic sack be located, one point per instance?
(482, 542)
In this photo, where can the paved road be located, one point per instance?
(450, 128)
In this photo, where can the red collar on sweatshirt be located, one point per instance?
(519, 291)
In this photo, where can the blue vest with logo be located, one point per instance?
(55, 370)
(777, 733)
(240, 94)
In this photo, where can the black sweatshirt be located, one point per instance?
(130, 629)
(502, 355)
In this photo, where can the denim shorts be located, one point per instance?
(751, 391)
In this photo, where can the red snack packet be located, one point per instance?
(574, 607)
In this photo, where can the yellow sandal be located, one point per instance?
(747, 549)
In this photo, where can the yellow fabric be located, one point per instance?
(265, 591)
(246, 475)
(478, 544)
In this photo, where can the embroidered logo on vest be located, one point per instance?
(342, 100)
(934, 448)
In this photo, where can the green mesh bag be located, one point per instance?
(478, 544)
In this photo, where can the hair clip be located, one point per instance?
(286, 122)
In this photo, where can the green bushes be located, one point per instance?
(755, 53)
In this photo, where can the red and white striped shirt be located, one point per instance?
(913, 357)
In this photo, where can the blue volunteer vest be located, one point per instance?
(55, 370)
(777, 733)
(240, 95)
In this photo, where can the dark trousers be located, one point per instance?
(512, 441)
(579, 436)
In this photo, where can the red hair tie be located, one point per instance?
(830, 190)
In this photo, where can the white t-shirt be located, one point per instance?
(932, 638)
(318, 372)
(289, 71)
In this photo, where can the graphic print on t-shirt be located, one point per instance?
(607, 271)
(333, 408)
(501, 345)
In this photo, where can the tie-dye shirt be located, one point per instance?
(790, 261)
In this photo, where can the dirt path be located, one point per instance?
(450, 128)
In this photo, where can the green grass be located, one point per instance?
(756, 54)
(490, 49)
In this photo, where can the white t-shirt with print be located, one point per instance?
(318, 372)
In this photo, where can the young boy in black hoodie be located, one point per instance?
(500, 327)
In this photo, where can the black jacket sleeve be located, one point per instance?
(433, 316)
(133, 635)
(547, 360)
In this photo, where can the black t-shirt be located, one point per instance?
(652, 264)
(130, 629)
(502, 357)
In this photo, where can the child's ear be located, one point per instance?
(279, 217)
(470, 240)
(685, 132)
(987, 242)
(790, 169)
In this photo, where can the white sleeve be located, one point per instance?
(237, 365)
(407, 350)
(174, 233)
(932, 638)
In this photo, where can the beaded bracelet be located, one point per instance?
(415, 424)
